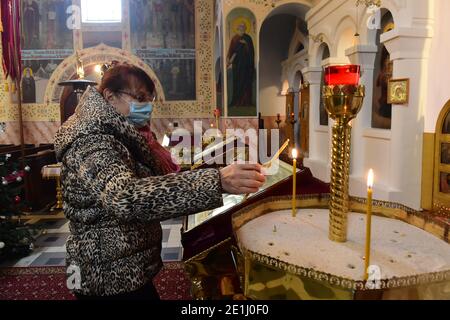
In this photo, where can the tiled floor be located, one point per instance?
(50, 249)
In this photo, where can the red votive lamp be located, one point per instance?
(342, 75)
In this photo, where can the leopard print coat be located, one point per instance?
(115, 197)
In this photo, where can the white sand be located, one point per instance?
(398, 248)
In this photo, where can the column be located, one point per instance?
(363, 55)
(409, 49)
(318, 156)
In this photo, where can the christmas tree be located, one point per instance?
(16, 239)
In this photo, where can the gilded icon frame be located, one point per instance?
(398, 91)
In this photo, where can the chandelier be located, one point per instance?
(368, 3)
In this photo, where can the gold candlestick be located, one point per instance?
(369, 223)
(342, 103)
(217, 117)
(80, 66)
(294, 183)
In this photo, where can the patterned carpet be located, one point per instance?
(49, 283)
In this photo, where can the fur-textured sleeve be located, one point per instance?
(105, 166)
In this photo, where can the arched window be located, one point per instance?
(441, 194)
(101, 11)
(299, 48)
(382, 110)
(323, 112)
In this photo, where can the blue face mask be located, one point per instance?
(140, 113)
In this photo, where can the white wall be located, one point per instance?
(275, 38)
(395, 155)
(439, 66)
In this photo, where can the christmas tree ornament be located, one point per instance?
(7, 156)
(19, 179)
(2, 245)
(27, 169)
(17, 199)
(4, 182)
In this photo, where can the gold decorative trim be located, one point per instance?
(203, 253)
(427, 170)
(345, 283)
(31, 112)
(441, 201)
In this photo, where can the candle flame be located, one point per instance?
(370, 179)
(294, 153)
(98, 68)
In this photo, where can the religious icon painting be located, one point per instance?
(163, 36)
(445, 153)
(383, 72)
(36, 75)
(398, 92)
(44, 25)
(46, 41)
(240, 61)
(162, 24)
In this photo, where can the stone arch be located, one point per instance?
(297, 40)
(370, 36)
(316, 51)
(295, 8)
(101, 53)
(344, 37)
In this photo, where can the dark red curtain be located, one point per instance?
(12, 60)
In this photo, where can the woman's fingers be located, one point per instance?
(247, 183)
(252, 167)
(242, 179)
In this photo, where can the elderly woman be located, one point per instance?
(117, 188)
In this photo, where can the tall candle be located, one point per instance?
(217, 116)
(370, 181)
(294, 183)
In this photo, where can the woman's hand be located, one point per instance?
(242, 178)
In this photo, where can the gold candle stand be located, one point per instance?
(54, 172)
(343, 104)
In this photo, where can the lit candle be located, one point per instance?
(217, 116)
(294, 184)
(370, 181)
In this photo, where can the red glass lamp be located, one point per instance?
(342, 75)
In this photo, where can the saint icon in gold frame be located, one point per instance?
(398, 91)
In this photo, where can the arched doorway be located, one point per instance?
(283, 38)
(91, 57)
(441, 186)
(304, 112)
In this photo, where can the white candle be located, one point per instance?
(294, 183)
(370, 180)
